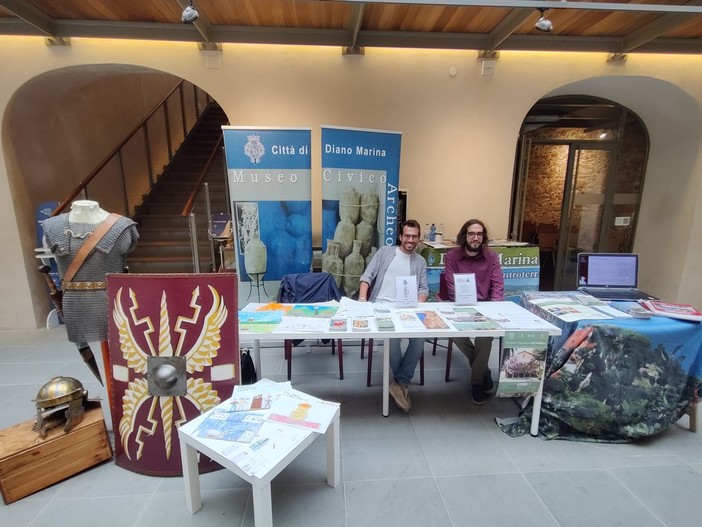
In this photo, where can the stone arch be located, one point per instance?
(57, 127)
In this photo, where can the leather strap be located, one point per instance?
(83, 286)
(89, 245)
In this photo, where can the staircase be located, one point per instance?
(164, 235)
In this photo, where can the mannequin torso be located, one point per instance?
(86, 211)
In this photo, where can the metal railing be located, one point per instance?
(200, 195)
(127, 174)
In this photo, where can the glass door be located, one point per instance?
(586, 207)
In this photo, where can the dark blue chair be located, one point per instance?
(309, 288)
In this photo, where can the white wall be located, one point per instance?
(459, 133)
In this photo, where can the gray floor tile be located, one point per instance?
(116, 511)
(216, 480)
(446, 463)
(107, 479)
(583, 498)
(671, 493)
(505, 499)
(317, 504)
(22, 512)
(395, 503)
(535, 455)
(376, 447)
(219, 508)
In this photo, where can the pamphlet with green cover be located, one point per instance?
(522, 363)
(469, 319)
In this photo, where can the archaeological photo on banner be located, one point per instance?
(270, 185)
(360, 179)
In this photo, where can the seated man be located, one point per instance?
(387, 264)
(473, 256)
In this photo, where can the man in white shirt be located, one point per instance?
(388, 264)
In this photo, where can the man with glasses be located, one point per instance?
(388, 264)
(473, 256)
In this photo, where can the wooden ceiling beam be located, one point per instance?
(31, 15)
(509, 25)
(549, 4)
(202, 24)
(355, 22)
(657, 28)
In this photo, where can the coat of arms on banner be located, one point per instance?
(174, 354)
(254, 148)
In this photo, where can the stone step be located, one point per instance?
(166, 265)
(167, 249)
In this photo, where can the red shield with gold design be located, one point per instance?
(174, 353)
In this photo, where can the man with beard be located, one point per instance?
(387, 264)
(473, 256)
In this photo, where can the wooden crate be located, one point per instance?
(29, 464)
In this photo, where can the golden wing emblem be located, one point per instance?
(131, 351)
(205, 348)
(136, 394)
(201, 394)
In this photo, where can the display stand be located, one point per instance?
(258, 283)
(220, 232)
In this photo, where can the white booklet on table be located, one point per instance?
(406, 291)
(466, 292)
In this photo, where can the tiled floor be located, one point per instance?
(444, 464)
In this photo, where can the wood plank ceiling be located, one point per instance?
(614, 26)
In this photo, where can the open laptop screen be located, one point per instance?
(608, 269)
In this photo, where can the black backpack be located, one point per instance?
(248, 370)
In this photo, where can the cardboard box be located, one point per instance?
(29, 464)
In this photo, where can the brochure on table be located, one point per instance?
(261, 423)
(349, 316)
(406, 291)
(465, 289)
(522, 363)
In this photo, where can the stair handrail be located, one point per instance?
(84, 183)
(190, 203)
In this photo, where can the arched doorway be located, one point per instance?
(579, 181)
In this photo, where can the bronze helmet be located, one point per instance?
(54, 396)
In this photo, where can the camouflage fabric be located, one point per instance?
(623, 380)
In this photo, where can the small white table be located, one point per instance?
(261, 487)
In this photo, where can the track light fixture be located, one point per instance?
(544, 24)
(190, 14)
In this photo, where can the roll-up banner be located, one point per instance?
(360, 180)
(270, 185)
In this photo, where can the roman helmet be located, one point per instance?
(54, 396)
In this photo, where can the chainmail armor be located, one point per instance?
(85, 312)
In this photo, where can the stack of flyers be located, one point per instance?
(337, 324)
(385, 324)
(360, 324)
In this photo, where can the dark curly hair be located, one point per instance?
(413, 224)
(462, 238)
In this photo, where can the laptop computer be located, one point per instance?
(610, 276)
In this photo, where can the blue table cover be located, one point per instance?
(616, 380)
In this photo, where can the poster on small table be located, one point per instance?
(522, 363)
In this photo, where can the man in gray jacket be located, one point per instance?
(387, 264)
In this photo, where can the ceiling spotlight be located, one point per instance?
(190, 14)
(544, 24)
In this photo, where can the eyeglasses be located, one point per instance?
(410, 236)
(474, 234)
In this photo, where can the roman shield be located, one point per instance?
(174, 354)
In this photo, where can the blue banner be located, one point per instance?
(360, 180)
(270, 185)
